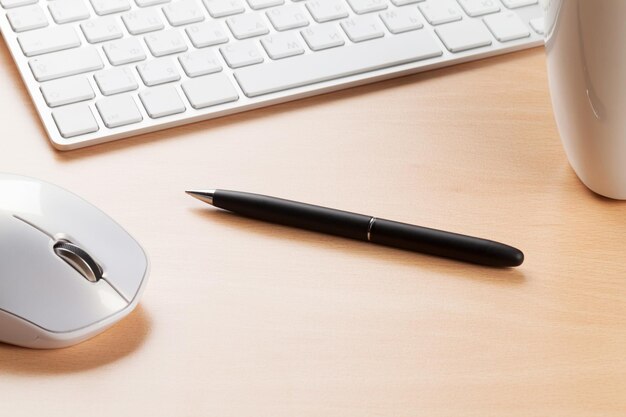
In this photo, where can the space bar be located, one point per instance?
(335, 63)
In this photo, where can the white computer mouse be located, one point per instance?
(67, 270)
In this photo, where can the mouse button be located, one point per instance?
(122, 259)
(38, 286)
(125, 267)
(20, 194)
(21, 248)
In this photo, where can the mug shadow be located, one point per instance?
(119, 341)
(581, 188)
(427, 263)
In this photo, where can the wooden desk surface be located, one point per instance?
(242, 318)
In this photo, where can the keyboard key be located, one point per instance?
(43, 41)
(262, 4)
(461, 36)
(166, 42)
(158, 71)
(65, 63)
(404, 2)
(118, 111)
(514, 4)
(322, 37)
(207, 34)
(102, 29)
(440, 11)
(401, 20)
(147, 3)
(198, 63)
(241, 54)
(115, 81)
(75, 120)
(209, 90)
(362, 28)
(288, 17)
(366, 6)
(124, 51)
(9, 4)
(222, 8)
(183, 12)
(27, 18)
(142, 21)
(327, 10)
(538, 25)
(282, 45)
(247, 25)
(161, 101)
(67, 91)
(65, 11)
(476, 8)
(507, 26)
(103, 7)
(328, 65)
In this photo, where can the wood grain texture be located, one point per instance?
(242, 318)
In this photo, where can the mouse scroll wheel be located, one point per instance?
(78, 259)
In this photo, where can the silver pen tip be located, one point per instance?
(206, 195)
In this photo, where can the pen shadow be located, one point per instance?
(450, 267)
(119, 341)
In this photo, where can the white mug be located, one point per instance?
(586, 54)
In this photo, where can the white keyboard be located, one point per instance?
(100, 70)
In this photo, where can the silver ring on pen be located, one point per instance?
(369, 228)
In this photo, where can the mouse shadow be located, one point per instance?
(116, 343)
(354, 248)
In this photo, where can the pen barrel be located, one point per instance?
(445, 244)
(295, 214)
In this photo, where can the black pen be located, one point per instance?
(366, 228)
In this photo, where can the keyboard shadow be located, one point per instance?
(180, 132)
(357, 249)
